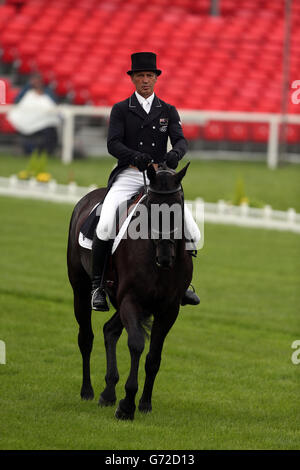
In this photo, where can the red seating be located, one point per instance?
(191, 131)
(214, 130)
(9, 96)
(5, 126)
(238, 131)
(260, 132)
(291, 134)
(230, 62)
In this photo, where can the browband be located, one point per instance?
(167, 191)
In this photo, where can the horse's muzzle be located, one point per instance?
(165, 253)
(165, 262)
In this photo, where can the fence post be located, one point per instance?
(244, 209)
(52, 186)
(2, 352)
(221, 206)
(67, 135)
(267, 212)
(72, 187)
(32, 183)
(291, 215)
(13, 181)
(272, 156)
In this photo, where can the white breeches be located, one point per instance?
(124, 187)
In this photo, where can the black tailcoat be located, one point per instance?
(132, 131)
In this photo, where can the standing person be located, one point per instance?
(138, 133)
(35, 116)
(35, 83)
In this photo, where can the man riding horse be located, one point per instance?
(138, 133)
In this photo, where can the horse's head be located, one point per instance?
(166, 204)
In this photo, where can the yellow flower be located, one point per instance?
(43, 177)
(244, 200)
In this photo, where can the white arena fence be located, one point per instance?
(68, 114)
(218, 213)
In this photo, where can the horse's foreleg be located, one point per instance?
(160, 329)
(136, 343)
(82, 309)
(112, 331)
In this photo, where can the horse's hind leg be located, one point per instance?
(112, 331)
(82, 309)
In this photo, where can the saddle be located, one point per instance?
(88, 227)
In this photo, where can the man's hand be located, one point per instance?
(172, 159)
(142, 161)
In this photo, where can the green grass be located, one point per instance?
(211, 180)
(226, 379)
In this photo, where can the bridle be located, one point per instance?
(163, 192)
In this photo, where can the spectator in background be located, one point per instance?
(35, 117)
(35, 83)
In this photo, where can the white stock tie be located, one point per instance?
(146, 106)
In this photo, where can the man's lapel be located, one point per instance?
(135, 107)
(155, 110)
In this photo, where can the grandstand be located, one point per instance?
(229, 62)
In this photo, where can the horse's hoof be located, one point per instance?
(145, 407)
(102, 402)
(123, 415)
(87, 394)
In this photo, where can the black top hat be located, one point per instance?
(143, 62)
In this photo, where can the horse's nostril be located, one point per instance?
(164, 263)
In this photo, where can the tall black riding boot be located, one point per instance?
(100, 253)
(190, 297)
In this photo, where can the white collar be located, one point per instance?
(141, 99)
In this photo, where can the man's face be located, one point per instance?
(144, 82)
(36, 83)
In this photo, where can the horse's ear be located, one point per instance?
(151, 173)
(181, 174)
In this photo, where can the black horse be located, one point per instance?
(146, 280)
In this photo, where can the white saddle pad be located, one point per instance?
(87, 243)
